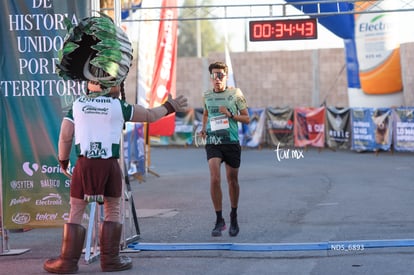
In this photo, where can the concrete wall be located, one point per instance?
(280, 78)
(285, 78)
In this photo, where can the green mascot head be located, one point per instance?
(95, 50)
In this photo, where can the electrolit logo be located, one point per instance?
(375, 25)
(375, 40)
(378, 51)
(29, 169)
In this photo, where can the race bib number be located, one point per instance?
(219, 123)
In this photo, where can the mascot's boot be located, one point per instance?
(72, 245)
(110, 245)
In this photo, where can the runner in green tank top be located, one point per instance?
(224, 108)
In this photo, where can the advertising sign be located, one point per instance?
(33, 100)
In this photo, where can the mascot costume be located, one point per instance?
(98, 52)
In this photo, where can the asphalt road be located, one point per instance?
(301, 212)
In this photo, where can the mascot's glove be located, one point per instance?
(64, 164)
(178, 104)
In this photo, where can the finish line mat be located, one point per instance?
(356, 246)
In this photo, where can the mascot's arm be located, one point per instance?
(65, 139)
(142, 114)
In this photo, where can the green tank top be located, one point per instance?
(221, 129)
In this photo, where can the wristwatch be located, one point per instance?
(231, 115)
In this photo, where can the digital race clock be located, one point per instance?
(287, 29)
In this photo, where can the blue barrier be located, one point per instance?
(358, 245)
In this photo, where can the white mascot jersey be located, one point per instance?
(106, 115)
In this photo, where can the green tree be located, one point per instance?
(187, 34)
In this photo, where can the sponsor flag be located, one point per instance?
(279, 125)
(148, 31)
(371, 129)
(253, 133)
(231, 81)
(164, 77)
(309, 127)
(184, 124)
(404, 129)
(338, 127)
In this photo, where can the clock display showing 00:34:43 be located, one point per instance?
(287, 29)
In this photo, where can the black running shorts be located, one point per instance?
(229, 153)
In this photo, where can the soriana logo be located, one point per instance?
(30, 168)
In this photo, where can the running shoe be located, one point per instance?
(220, 226)
(234, 227)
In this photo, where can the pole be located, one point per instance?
(198, 36)
(95, 6)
